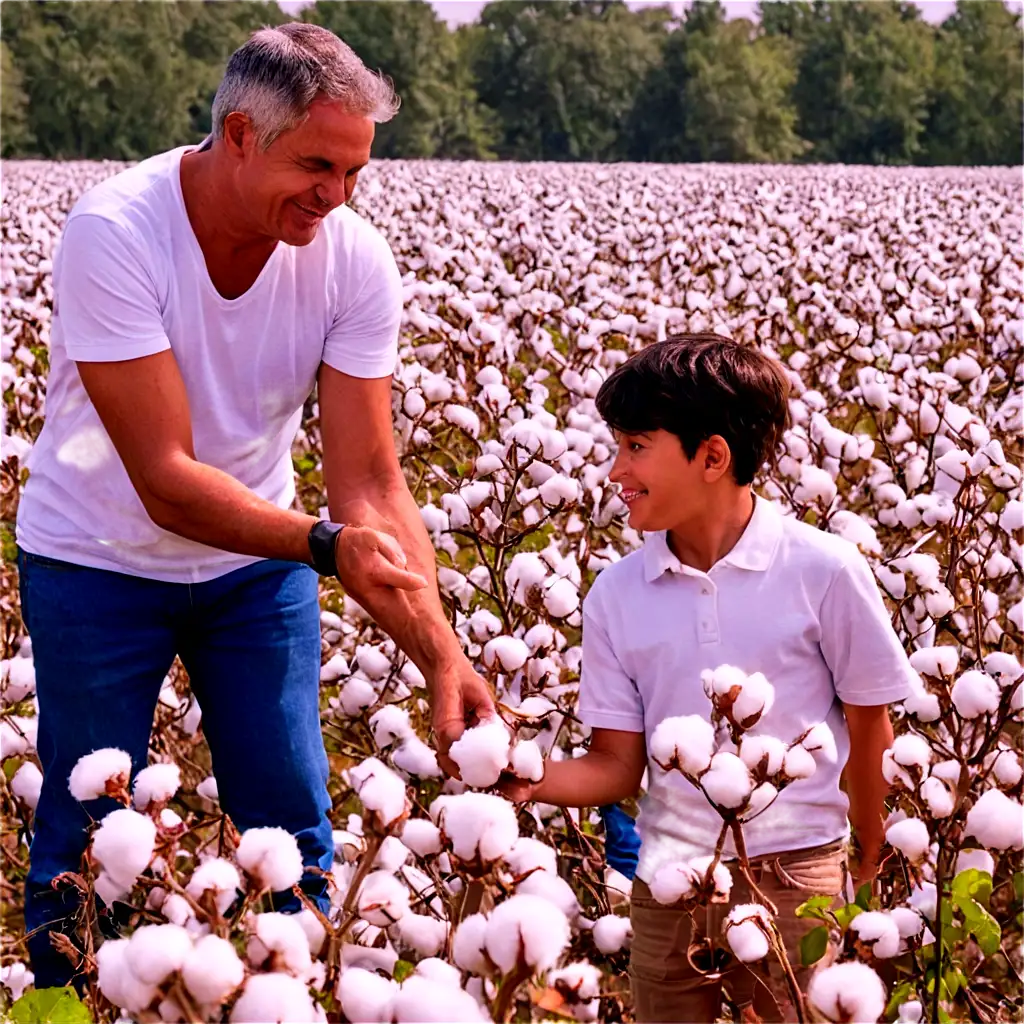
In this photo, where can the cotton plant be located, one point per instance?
(523, 290)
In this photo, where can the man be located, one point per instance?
(199, 296)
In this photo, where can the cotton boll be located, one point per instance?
(727, 783)
(278, 943)
(16, 978)
(799, 763)
(611, 933)
(821, 743)
(909, 749)
(155, 785)
(383, 899)
(924, 706)
(672, 883)
(996, 821)
(388, 724)
(422, 933)
(478, 825)
(123, 845)
(761, 798)
(18, 679)
(27, 783)
(561, 598)
(117, 981)
(100, 773)
(212, 970)
(313, 929)
(380, 790)
(975, 694)
(423, 1001)
(747, 929)
(910, 1012)
(980, 860)
(550, 887)
(365, 996)
(422, 837)
(936, 661)
(356, 696)
(156, 951)
(910, 837)
(508, 651)
(416, 758)
(482, 753)
(527, 761)
(274, 999)
(686, 742)
(1003, 667)
(528, 854)
(1006, 767)
(847, 992)
(469, 945)
(271, 857)
(526, 929)
(814, 484)
(909, 922)
(879, 931)
(937, 795)
(721, 878)
(762, 754)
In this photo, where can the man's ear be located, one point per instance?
(238, 133)
(717, 458)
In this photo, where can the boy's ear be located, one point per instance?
(717, 458)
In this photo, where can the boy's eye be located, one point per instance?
(635, 446)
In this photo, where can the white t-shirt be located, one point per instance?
(130, 280)
(788, 600)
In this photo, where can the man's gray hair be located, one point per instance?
(275, 76)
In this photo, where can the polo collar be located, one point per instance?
(753, 551)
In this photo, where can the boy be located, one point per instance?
(724, 578)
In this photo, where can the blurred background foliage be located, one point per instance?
(851, 82)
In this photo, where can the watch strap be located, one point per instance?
(322, 538)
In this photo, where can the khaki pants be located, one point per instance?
(668, 988)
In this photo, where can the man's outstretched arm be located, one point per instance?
(365, 485)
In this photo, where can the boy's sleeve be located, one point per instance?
(609, 699)
(860, 647)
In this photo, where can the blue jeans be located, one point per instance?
(103, 643)
(621, 841)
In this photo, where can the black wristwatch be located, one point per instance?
(322, 537)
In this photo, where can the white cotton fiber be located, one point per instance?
(155, 785)
(383, 899)
(277, 942)
(118, 982)
(936, 661)
(212, 970)
(156, 951)
(100, 772)
(218, 876)
(508, 651)
(527, 761)
(727, 783)
(365, 996)
(423, 837)
(469, 948)
(482, 753)
(848, 992)
(762, 753)
(996, 821)
(529, 854)
(379, 789)
(878, 930)
(747, 929)
(611, 933)
(477, 825)
(821, 742)
(910, 837)
(526, 929)
(270, 856)
(975, 694)
(123, 845)
(422, 933)
(422, 1000)
(27, 784)
(274, 999)
(672, 882)
(685, 742)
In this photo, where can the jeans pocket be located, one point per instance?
(814, 873)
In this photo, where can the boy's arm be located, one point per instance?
(609, 772)
(870, 736)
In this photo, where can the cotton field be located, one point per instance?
(895, 299)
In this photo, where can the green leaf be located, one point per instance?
(972, 884)
(402, 970)
(982, 925)
(1018, 885)
(864, 896)
(844, 915)
(50, 1006)
(900, 994)
(813, 945)
(814, 907)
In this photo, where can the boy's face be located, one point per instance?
(660, 485)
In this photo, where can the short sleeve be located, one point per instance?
(609, 698)
(363, 340)
(105, 298)
(858, 643)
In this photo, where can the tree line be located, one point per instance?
(843, 81)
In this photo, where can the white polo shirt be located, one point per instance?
(130, 280)
(788, 600)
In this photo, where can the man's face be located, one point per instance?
(321, 157)
(662, 488)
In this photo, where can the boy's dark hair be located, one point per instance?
(697, 385)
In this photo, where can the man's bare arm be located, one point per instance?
(144, 407)
(365, 484)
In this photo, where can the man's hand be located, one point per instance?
(519, 791)
(368, 558)
(460, 698)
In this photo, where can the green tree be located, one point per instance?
(563, 77)
(975, 115)
(865, 73)
(405, 39)
(14, 131)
